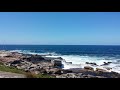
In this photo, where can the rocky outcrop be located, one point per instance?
(35, 59)
(57, 63)
(106, 63)
(68, 62)
(78, 75)
(16, 62)
(88, 68)
(68, 75)
(100, 70)
(108, 68)
(94, 64)
(67, 71)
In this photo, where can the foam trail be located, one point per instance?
(34, 53)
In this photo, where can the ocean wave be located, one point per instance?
(34, 53)
(80, 62)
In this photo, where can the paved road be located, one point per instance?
(11, 75)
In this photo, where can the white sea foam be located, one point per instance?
(80, 61)
(19, 51)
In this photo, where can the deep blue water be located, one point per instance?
(97, 50)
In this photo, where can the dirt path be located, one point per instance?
(11, 75)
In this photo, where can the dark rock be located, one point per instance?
(54, 71)
(85, 76)
(57, 63)
(59, 58)
(25, 58)
(91, 76)
(115, 75)
(91, 63)
(43, 71)
(38, 57)
(100, 70)
(59, 72)
(68, 75)
(35, 58)
(106, 63)
(31, 67)
(16, 62)
(67, 71)
(74, 75)
(69, 62)
(88, 68)
(109, 62)
(74, 70)
(8, 56)
(108, 68)
(87, 63)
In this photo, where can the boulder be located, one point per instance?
(73, 70)
(43, 71)
(106, 63)
(35, 58)
(33, 65)
(54, 71)
(16, 62)
(58, 72)
(115, 74)
(100, 70)
(108, 68)
(25, 58)
(72, 75)
(91, 63)
(57, 63)
(59, 58)
(31, 68)
(67, 71)
(8, 56)
(68, 62)
(88, 68)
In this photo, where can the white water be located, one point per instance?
(80, 61)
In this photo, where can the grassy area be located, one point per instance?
(31, 75)
(28, 74)
(10, 69)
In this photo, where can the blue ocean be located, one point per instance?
(77, 54)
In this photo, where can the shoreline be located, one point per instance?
(52, 66)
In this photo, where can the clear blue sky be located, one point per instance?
(60, 28)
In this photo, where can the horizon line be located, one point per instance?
(65, 44)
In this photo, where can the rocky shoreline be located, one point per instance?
(40, 64)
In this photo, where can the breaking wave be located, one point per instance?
(79, 61)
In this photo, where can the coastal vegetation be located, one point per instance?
(18, 71)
